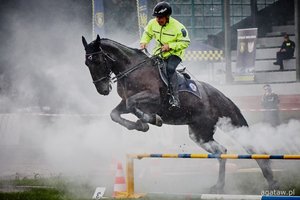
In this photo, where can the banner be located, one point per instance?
(142, 15)
(98, 18)
(246, 54)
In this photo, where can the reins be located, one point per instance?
(135, 67)
(120, 75)
(125, 73)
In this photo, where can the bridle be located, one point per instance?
(117, 76)
(105, 57)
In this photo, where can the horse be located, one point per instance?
(145, 95)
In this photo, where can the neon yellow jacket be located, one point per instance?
(173, 33)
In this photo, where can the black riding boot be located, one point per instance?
(173, 87)
(172, 63)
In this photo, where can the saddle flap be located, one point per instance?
(185, 83)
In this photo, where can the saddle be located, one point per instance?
(185, 83)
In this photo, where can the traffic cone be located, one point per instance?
(120, 185)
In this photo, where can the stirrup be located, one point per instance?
(174, 102)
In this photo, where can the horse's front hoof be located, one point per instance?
(216, 190)
(158, 120)
(141, 126)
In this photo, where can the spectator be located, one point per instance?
(270, 102)
(286, 51)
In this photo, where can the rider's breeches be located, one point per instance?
(172, 63)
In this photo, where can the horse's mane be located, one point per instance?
(127, 50)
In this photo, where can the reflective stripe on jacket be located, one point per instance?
(173, 33)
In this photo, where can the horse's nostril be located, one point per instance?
(103, 92)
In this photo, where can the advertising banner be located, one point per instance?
(246, 54)
(142, 15)
(98, 18)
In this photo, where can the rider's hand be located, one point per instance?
(165, 48)
(143, 46)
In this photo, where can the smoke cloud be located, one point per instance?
(43, 71)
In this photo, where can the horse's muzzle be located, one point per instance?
(104, 90)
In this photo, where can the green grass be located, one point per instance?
(34, 194)
(50, 189)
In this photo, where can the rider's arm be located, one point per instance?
(182, 41)
(148, 33)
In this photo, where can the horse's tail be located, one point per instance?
(240, 119)
(225, 106)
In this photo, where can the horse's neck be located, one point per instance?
(125, 57)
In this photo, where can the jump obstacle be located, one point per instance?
(163, 196)
(130, 170)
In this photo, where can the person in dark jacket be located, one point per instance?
(270, 102)
(286, 51)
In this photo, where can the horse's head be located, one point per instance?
(98, 63)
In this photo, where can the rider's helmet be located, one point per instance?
(162, 9)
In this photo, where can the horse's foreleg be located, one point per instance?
(147, 118)
(122, 109)
(144, 98)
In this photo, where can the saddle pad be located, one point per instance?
(184, 84)
(188, 85)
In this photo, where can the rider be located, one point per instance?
(171, 41)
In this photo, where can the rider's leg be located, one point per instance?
(174, 85)
(172, 62)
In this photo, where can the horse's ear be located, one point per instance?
(98, 38)
(84, 42)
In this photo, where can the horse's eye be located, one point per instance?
(90, 57)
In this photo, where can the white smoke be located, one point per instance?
(48, 71)
(264, 138)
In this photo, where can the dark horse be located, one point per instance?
(144, 94)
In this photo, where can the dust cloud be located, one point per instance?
(53, 121)
(43, 74)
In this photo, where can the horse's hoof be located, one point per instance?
(140, 126)
(274, 185)
(158, 120)
(216, 190)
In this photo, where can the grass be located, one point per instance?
(54, 188)
(35, 194)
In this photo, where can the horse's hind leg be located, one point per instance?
(203, 136)
(265, 166)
